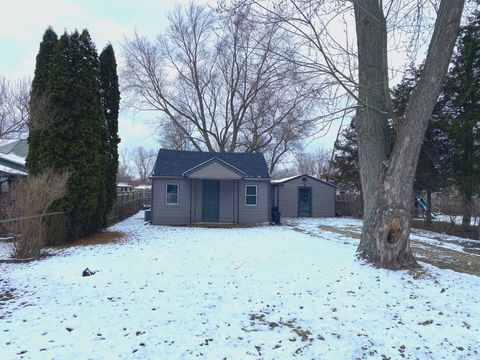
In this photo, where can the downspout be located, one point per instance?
(151, 202)
(238, 201)
(190, 209)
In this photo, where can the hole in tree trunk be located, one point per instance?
(394, 231)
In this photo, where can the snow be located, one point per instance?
(4, 142)
(122, 184)
(279, 181)
(143, 187)
(13, 158)
(9, 170)
(254, 293)
(456, 219)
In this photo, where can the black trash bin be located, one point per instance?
(276, 215)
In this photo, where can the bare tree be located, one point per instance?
(358, 68)
(124, 173)
(171, 136)
(143, 161)
(219, 84)
(312, 163)
(28, 201)
(14, 108)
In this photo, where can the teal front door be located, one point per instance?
(210, 200)
(304, 202)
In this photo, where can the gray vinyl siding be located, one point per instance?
(163, 214)
(214, 170)
(230, 209)
(259, 213)
(323, 198)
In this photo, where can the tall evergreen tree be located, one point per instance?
(110, 96)
(37, 98)
(462, 115)
(345, 171)
(72, 140)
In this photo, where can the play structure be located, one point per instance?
(423, 205)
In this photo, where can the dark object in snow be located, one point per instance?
(69, 329)
(276, 215)
(88, 272)
(148, 215)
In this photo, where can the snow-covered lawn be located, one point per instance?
(257, 293)
(441, 250)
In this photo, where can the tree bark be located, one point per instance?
(387, 174)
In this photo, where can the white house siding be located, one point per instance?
(323, 198)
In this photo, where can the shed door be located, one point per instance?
(210, 200)
(304, 202)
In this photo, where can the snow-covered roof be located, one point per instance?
(140, 187)
(122, 184)
(13, 158)
(9, 170)
(17, 147)
(5, 142)
(284, 180)
(279, 181)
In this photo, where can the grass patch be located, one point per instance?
(97, 238)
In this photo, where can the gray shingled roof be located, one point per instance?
(176, 162)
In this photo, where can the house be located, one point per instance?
(12, 161)
(124, 187)
(304, 196)
(190, 187)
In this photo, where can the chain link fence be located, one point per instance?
(24, 237)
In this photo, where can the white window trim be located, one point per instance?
(166, 194)
(256, 195)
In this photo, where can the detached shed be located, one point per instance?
(304, 196)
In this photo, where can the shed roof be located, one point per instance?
(284, 180)
(177, 162)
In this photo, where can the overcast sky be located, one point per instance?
(23, 22)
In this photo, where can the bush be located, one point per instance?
(27, 203)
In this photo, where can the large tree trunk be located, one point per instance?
(387, 175)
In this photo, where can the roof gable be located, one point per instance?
(215, 169)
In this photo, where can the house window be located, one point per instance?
(251, 195)
(172, 194)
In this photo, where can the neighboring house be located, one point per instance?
(12, 161)
(304, 196)
(190, 187)
(124, 187)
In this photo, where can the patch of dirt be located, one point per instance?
(100, 237)
(304, 335)
(349, 233)
(466, 262)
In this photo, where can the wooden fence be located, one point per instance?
(349, 205)
(128, 204)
